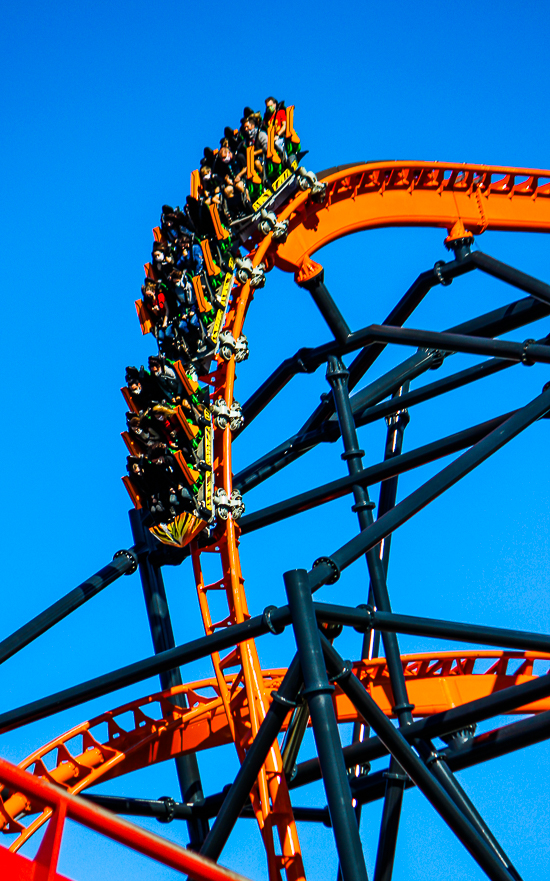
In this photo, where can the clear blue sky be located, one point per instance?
(106, 110)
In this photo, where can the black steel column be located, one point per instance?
(437, 764)
(402, 752)
(318, 692)
(395, 779)
(397, 424)
(187, 766)
(338, 376)
(327, 307)
(433, 488)
(123, 563)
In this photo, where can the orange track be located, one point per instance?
(360, 197)
(436, 682)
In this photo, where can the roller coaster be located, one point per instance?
(264, 212)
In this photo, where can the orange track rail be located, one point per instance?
(436, 682)
(359, 197)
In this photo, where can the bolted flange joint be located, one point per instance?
(333, 565)
(367, 625)
(438, 269)
(344, 672)
(525, 359)
(276, 629)
(170, 809)
(132, 556)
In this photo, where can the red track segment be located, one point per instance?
(63, 806)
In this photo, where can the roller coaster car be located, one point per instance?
(269, 202)
(194, 460)
(211, 290)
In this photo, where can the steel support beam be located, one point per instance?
(162, 634)
(533, 286)
(123, 563)
(382, 471)
(445, 273)
(145, 669)
(389, 827)
(326, 306)
(364, 618)
(495, 323)
(439, 725)
(433, 488)
(403, 753)
(318, 693)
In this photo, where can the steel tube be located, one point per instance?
(389, 826)
(318, 693)
(455, 342)
(434, 487)
(534, 286)
(499, 321)
(326, 306)
(483, 748)
(158, 614)
(479, 634)
(403, 753)
(432, 390)
(145, 669)
(398, 315)
(338, 377)
(440, 724)
(124, 563)
(384, 470)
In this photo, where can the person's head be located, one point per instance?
(225, 153)
(205, 172)
(176, 276)
(270, 104)
(155, 365)
(168, 216)
(158, 253)
(135, 387)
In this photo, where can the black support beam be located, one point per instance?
(123, 563)
(433, 488)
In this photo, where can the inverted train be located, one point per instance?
(199, 257)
